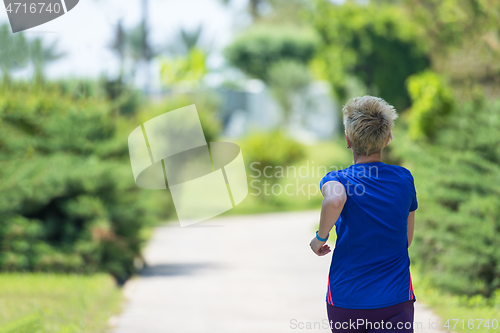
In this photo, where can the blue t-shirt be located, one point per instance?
(370, 265)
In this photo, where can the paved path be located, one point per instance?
(236, 274)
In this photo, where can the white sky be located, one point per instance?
(85, 32)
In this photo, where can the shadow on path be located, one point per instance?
(176, 269)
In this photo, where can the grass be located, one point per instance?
(43, 302)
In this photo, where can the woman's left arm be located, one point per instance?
(333, 203)
(411, 227)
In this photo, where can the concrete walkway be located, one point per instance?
(236, 274)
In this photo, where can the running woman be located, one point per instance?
(372, 206)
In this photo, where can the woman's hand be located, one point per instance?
(319, 247)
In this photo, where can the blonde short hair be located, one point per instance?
(368, 123)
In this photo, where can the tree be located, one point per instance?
(286, 80)
(258, 48)
(119, 46)
(139, 48)
(185, 40)
(134, 44)
(450, 23)
(14, 53)
(41, 56)
(277, 55)
(464, 39)
(377, 44)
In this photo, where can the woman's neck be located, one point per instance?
(366, 159)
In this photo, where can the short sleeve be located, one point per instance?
(414, 202)
(329, 177)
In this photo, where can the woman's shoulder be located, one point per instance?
(338, 172)
(401, 170)
(334, 175)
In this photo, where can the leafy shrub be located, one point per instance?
(272, 149)
(432, 102)
(265, 154)
(123, 97)
(68, 199)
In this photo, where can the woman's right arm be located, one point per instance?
(411, 227)
(334, 199)
(333, 203)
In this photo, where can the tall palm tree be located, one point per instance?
(119, 46)
(186, 40)
(41, 56)
(14, 52)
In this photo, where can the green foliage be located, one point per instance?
(80, 88)
(185, 70)
(458, 220)
(69, 202)
(264, 153)
(474, 128)
(432, 102)
(376, 43)
(123, 97)
(448, 23)
(256, 50)
(271, 149)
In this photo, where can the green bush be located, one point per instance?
(432, 102)
(68, 199)
(256, 50)
(458, 220)
(266, 153)
(270, 149)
